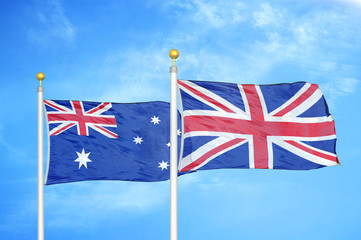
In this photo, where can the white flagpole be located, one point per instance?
(173, 148)
(40, 76)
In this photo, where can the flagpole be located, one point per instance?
(173, 148)
(40, 76)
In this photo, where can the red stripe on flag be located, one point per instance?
(63, 129)
(308, 93)
(53, 106)
(205, 97)
(107, 131)
(257, 128)
(101, 106)
(254, 102)
(313, 152)
(211, 153)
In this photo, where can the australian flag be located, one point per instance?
(108, 141)
(281, 126)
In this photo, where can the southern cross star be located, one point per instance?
(138, 140)
(155, 120)
(83, 159)
(163, 165)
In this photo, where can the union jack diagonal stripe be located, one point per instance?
(288, 126)
(67, 118)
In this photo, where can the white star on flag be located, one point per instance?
(168, 144)
(83, 159)
(179, 132)
(155, 120)
(163, 165)
(138, 140)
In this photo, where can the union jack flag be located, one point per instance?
(282, 126)
(66, 117)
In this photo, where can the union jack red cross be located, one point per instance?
(83, 120)
(234, 127)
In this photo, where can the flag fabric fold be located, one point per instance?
(280, 126)
(108, 141)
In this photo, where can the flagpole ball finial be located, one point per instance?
(174, 55)
(40, 76)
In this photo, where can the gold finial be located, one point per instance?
(173, 54)
(40, 76)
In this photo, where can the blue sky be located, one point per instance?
(118, 51)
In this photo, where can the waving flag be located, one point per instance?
(76, 116)
(283, 126)
(107, 141)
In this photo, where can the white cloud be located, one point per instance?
(348, 85)
(91, 202)
(215, 14)
(19, 219)
(268, 16)
(315, 43)
(352, 2)
(306, 41)
(133, 76)
(52, 24)
(211, 188)
(209, 66)
(122, 75)
(14, 151)
(338, 87)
